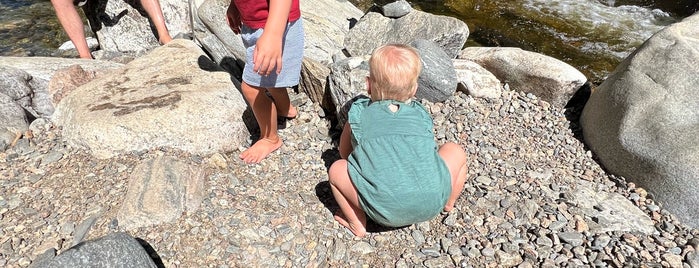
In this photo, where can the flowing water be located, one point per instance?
(29, 28)
(591, 35)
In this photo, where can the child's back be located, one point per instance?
(392, 171)
(395, 167)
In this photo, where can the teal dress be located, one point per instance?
(399, 176)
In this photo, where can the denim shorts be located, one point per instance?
(292, 56)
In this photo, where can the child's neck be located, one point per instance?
(392, 106)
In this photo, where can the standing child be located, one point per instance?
(272, 33)
(391, 170)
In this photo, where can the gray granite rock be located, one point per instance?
(437, 81)
(642, 121)
(396, 9)
(373, 30)
(112, 250)
(13, 121)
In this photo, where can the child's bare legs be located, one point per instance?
(282, 103)
(455, 158)
(266, 115)
(350, 215)
(152, 7)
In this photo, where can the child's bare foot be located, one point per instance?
(261, 149)
(448, 208)
(359, 231)
(291, 114)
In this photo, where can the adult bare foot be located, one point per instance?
(261, 149)
(359, 231)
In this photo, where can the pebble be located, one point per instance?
(362, 248)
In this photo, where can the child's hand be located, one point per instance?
(233, 18)
(267, 54)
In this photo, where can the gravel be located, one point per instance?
(526, 160)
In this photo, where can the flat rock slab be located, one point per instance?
(160, 190)
(174, 97)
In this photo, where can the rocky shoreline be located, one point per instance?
(535, 197)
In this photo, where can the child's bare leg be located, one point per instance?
(455, 158)
(266, 116)
(282, 102)
(350, 215)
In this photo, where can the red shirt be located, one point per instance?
(254, 13)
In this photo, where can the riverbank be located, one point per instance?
(522, 204)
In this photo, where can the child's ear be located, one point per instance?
(414, 91)
(368, 86)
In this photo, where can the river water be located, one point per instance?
(591, 35)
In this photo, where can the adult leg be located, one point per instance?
(266, 116)
(350, 215)
(281, 100)
(73, 25)
(152, 7)
(455, 158)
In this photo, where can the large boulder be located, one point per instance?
(43, 68)
(347, 80)
(28, 78)
(476, 81)
(314, 83)
(215, 36)
(113, 250)
(437, 81)
(546, 77)
(173, 97)
(15, 83)
(374, 29)
(326, 23)
(123, 26)
(643, 121)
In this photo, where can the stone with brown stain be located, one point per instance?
(66, 80)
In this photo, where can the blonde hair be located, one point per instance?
(393, 72)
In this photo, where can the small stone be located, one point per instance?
(397, 9)
(218, 160)
(675, 261)
(484, 180)
(601, 241)
(488, 252)
(451, 218)
(508, 259)
(51, 157)
(544, 241)
(572, 238)
(443, 261)
(418, 237)
(362, 248)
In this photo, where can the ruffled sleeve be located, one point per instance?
(354, 117)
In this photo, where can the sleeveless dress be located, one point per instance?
(399, 176)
